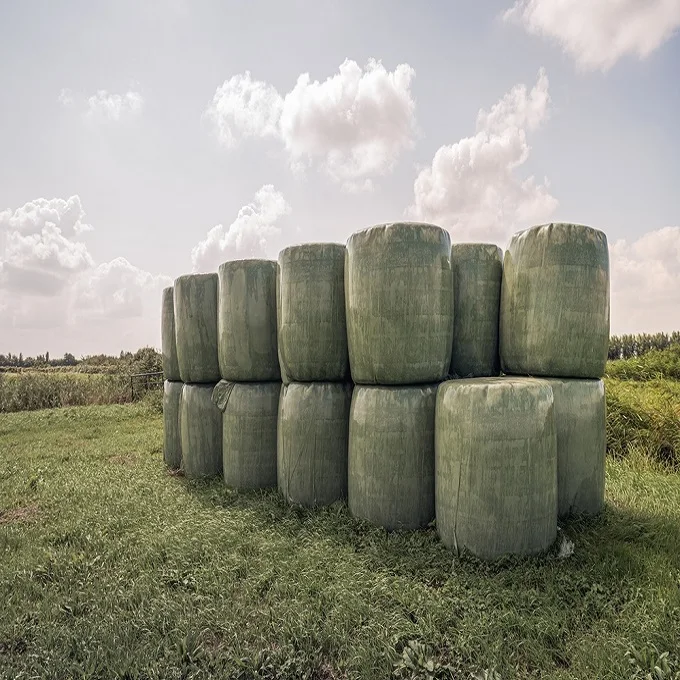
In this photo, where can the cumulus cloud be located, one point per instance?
(597, 33)
(645, 282)
(247, 236)
(354, 125)
(473, 187)
(109, 106)
(31, 218)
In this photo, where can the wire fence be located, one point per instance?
(140, 383)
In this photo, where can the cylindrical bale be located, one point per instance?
(196, 327)
(168, 340)
(399, 304)
(477, 274)
(391, 455)
(312, 442)
(496, 466)
(246, 328)
(581, 445)
(555, 302)
(172, 442)
(249, 418)
(311, 313)
(201, 432)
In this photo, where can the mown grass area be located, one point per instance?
(112, 568)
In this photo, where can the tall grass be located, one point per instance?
(653, 365)
(28, 391)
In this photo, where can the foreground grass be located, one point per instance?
(112, 568)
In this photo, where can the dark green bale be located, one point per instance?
(172, 441)
(168, 340)
(201, 432)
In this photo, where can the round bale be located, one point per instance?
(172, 442)
(168, 340)
(201, 432)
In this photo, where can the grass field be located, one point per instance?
(112, 568)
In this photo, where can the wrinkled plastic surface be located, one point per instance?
(168, 341)
(172, 441)
(249, 435)
(201, 432)
(247, 346)
(555, 302)
(581, 445)
(312, 442)
(311, 313)
(496, 466)
(196, 327)
(477, 273)
(399, 304)
(391, 455)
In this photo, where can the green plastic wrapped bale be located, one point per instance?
(391, 455)
(246, 328)
(477, 273)
(172, 442)
(168, 341)
(496, 466)
(581, 445)
(555, 302)
(312, 442)
(196, 328)
(201, 432)
(249, 433)
(399, 304)
(311, 313)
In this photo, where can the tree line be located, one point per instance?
(146, 359)
(630, 346)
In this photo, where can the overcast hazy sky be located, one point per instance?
(143, 140)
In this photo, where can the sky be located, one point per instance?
(142, 141)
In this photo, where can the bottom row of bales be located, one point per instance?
(495, 460)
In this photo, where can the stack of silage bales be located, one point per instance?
(515, 453)
(248, 394)
(172, 387)
(313, 416)
(195, 314)
(399, 302)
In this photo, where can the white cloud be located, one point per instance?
(597, 33)
(354, 125)
(65, 97)
(645, 282)
(108, 106)
(32, 217)
(248, 235)
(243, 107)
(472, 187)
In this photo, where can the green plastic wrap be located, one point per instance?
(201, 432)
(477, 273)
(168, 341)
(391, 455)
(581, 445)
(555, 302)
(248, 433)
(399, 304)
(312, 442)
(172, 441)
(196, 327)
(311, 313)
(246, 327)
(496, 466)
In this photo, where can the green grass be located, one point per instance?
(112, 568)
(652, 365)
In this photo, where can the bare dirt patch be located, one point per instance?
(23, 514)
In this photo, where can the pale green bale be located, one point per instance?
(168, 340)
(196, 327)
(496, 466)
(311, 313)
(172, 441)
(201, 432)
(399, 304)
(249, 419)
(312, 442)
(391, 455)
(555, 302)
(581, 445)
(477, 274)
(247, 346)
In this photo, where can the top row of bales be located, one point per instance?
(398, 305)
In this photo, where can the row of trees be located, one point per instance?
(19, 361)
(144, 360)
(629, 346)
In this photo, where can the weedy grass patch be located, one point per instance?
(126, 571)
